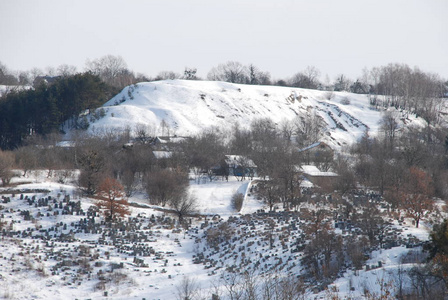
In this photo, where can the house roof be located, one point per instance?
(315, 172)
(238, 159)
(162, 154)
(168, 139)
(314, 146)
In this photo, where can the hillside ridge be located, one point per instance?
(183, 107)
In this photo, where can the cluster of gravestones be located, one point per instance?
(360, 199)
(389, 238)
(263, 242)
(393, 237)
(273, 241)
(131, 236)
(6, 199)
(57, 207)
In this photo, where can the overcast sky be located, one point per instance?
(279, 36)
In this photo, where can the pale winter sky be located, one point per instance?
(279, 36)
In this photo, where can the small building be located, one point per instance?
(168, 142)
(318, 177)
(318, 153)
(236, 165)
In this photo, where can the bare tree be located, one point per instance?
(309, 128)
(164, 186)
(287, 128)
(258, 77)
(268, 191)
(204, 151)
(360, 87)
(240, 141)
(231, 71)
(112, 70)
(66, 70)
(142, 133)
(6, 164)
(92, 164)
(308, 79)
(234, 284)
(372, 224)
(345, 181)
(26, 158)
(342, 83)
(416, 194)
(389, 127)
(355, 247)
(237, 201)
(188, 289)
(6, 76)
(265, 139)
(190, 74)
(50, 71)
(34, 73)
(285, 172)
(324, 243)
(381, 166)
(164, 75)
(129, 182)
(264, 133)
(184, 205)
(277, 286)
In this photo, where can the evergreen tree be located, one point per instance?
(46, 108)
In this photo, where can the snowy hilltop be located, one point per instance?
(182, 107)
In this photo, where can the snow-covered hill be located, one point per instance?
(54, 245)
(187, 107)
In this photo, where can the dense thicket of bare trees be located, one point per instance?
(6, 165)
(235, 72)
(394, 84)
(164, 186)
(112, 69)
(307, 79)
(402, 160)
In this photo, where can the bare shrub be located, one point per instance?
(188, 289)
(237, 201)
(345, 101)
(329, 95)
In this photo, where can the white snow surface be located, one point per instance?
(25, 275)
(188, 107)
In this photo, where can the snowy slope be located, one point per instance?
(188, 107)
(37, 262)
(28, 265)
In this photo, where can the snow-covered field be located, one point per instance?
(54, 267)
(26, 263)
